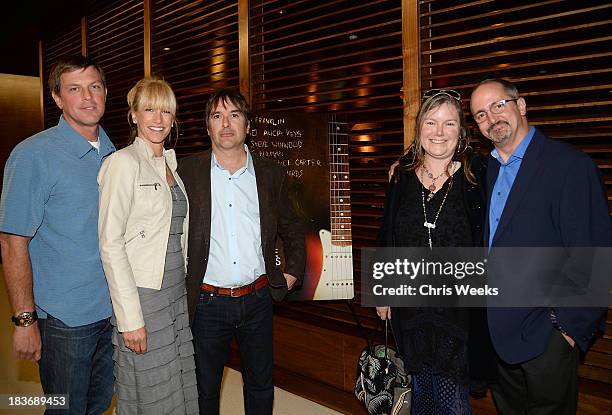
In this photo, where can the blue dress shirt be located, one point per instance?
(236, 256)
(505, 179)
(50, 193)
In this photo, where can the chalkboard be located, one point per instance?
(307, 145)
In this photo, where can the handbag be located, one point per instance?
(382, 384)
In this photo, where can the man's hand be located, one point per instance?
(384, 312)
(569, 339)
(17, 270)
(26, 342)
(291, 280)
(136, 340)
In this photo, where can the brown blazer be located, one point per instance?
(277, 218)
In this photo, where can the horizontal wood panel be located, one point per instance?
(346, 59)
(195, 48)
(557, 52)
(65, 43)
(116, 42)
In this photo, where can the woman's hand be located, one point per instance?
(384, 312)
(136, 340)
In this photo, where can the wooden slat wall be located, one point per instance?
(344, 57)
(195, 49)
(66, 42)
(558, 53)
(116, 41)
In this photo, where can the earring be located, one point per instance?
(462, 145)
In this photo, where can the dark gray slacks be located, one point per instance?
(544, 385)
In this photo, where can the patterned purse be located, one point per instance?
(382, 385)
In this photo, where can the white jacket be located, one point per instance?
(134, 225)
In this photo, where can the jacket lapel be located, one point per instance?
(204, 194)
(530, 166)
(492, 172)
(263, 190)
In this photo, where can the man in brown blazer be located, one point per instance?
(238, 207)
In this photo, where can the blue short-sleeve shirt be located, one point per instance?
(50, 193)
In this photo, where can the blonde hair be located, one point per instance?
(151, 93)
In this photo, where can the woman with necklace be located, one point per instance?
(436, 199)
(144, 217)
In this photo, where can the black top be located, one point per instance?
(452, 226)
(436, 337)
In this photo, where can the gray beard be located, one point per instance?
(499, 136)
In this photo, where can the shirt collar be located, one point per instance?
(146, 149)
(519, 151)
(248, 167)
(79, 145)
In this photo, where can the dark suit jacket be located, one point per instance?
(557, 200)
(277, 218)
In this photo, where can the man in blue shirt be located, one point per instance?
(49, 240)
(541, 193)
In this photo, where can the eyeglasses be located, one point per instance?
(435, 92)
(495, 108)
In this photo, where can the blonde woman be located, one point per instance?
(143, 243)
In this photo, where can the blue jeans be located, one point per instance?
(248, 319)
(77, 361)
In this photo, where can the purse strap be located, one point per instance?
(397, 345)
(386, 341)
(368, 339)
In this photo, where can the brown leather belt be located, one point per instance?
(236, 292)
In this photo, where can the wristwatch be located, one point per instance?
(25, 319)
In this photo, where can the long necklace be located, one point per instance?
(432, 186)
(432, 225)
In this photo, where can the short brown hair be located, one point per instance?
(69, 64)
(227, 95)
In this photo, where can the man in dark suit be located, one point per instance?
(541, 193)
(238, 207)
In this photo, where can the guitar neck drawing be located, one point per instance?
(336, 281)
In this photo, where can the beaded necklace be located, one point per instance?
(432, 225)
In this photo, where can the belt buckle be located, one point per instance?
(232, 292)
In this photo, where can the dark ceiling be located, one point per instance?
(24, 23)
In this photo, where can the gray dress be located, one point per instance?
(162, 380)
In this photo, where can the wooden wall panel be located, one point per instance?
(195, 48)
(67, 41)
(116, 42)
(19, 112)
(342, 57)
(558, 53)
